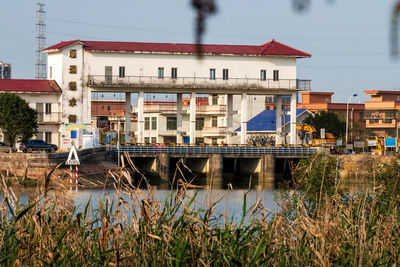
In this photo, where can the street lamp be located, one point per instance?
(347, 115)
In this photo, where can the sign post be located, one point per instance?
(73, 160)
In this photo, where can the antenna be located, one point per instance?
(41, 58)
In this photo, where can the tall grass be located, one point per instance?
(131, 230)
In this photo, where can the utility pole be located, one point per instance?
(41, 59)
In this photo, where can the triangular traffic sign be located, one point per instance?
(73, 157)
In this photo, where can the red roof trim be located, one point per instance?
(272, 48)
(29, 86)
(382, 92)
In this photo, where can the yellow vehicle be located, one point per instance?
(380, 145)
(313, 138)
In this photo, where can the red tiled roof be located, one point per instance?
(272, 48)
(29, 86)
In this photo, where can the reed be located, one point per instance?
(135, 229)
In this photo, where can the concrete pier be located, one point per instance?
(262, 166)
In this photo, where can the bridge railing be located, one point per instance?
(217, 150)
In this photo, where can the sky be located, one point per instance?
(348, 40)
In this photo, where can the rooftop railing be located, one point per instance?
(196, 82)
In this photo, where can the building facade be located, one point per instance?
(240, 74)
(45, 97)
(322, 101)
(5, 70)
(382, 113)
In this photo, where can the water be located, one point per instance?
(230, 202)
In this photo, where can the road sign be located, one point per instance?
(322, 133)
(72, 157)
(390, 142)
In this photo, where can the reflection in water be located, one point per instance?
(230, 202)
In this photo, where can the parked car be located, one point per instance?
(38, 145)
(6, 148)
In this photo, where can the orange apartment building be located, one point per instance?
(322, 101)
(382, 113)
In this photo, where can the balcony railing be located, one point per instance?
(211, 109)
(53, 117)
(196, 82)
(213, 131)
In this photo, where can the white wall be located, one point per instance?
(189, 65)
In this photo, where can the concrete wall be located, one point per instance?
(37, 163)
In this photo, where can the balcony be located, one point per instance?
(197, 84)
(53, 117)
(172, 109)
(214, 131)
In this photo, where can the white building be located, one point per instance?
(234, 72)
(5, 70)
(44, 96)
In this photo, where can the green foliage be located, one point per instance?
(17, 119)
(316, 178)
(329, 121)
(386, 180)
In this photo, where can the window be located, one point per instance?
(102, 107)
(108, 74)
(147, 123)
(214, 121)
(270, 98)
(154, 139)
(72, 118)
(160, 73)
(72, 86)
(154, 123)
(263, 75)
(212, 74)
(72, 69)
(387, 121)
(47, 137)
(199, 124)
(121, 71)
(147, 140)
(50, 72)
(225, 74)
(276, 75)
(108, 108)
(214, 100)
(171, 123)
(174, 73)
(48, 108)
(72, 53)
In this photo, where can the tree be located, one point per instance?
(329, 121)
(17, 119)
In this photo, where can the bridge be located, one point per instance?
(215, 161)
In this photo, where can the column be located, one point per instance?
(293, 119)
(243, 120)
(229, 118)
(192, 118)
(179, 138)
(127, 118)
(278, 120)
(140, 137)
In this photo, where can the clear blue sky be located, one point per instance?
(348, 40)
